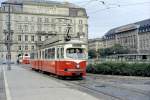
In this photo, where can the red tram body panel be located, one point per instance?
(61, 68)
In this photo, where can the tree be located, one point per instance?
(92, 53)
(116, 49)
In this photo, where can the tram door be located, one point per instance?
(59, 55)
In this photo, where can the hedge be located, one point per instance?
(127, 69)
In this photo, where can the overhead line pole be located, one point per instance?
(9, 40)
(8, 35)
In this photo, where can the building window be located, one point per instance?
(32, 19)
(26, 47)
(26, 27)
(80, 28)
(19, 27)
(32, 28)
(39, 20)
(59, 29)
(20, 18)
(19, 48)
(26, 37)
(46, 37)
(71, 30)
(26, 19)
(32, 47)
(71, 21)
(6, 25)
(19, 38)
(39, 38)
(53, 27)
(39, 27)
(32, 38)
(46, 20)
(53, 20)
(80, 22)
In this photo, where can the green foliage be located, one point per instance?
(116, 49)
(92, 54)
(111, 68)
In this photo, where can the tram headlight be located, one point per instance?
(78, 65)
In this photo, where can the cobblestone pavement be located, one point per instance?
(2, 86)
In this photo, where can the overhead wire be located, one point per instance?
(82, 2)
(109, 6)
(90, 1)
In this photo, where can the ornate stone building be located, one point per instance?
(95, 44)
(135, 37)
(34, 21)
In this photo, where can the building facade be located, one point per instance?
(95, 44)
(135, 37)
(33, 22)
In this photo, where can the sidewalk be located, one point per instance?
(24, 84)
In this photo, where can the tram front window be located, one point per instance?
(76, 53)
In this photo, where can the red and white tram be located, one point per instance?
(67, 58)
(24, 59)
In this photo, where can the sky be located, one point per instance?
(107, 14)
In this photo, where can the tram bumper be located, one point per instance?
(73, 72)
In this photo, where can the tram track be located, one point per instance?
(112, 97)
(103, 84)
(126, 78)
(86, 86)
(123, 87)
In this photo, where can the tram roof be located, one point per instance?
(61, 41)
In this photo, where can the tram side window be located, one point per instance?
(53, 53)
(40, 54)
(62, 52)
(43, 54)
(49, 53)
(58, 53)
(36, 55)
(46, 54)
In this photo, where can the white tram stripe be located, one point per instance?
(8, 97)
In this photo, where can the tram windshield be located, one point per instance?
(76, 53)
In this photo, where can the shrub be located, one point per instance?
(112, 68)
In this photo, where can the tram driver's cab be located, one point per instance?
(76, 53)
